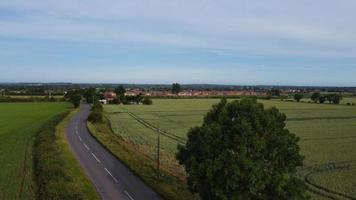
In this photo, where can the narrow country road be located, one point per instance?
(112, 179)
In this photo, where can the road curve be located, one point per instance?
(112, 179)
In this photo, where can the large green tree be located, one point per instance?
(90, 95)
(242, 152)
(176, 88)
(298, 97)
(120, 90)
(315, 97)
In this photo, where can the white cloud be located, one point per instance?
(312, 28)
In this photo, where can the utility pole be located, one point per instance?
(158, 146)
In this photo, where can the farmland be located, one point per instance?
(19, 123)
(327, 133)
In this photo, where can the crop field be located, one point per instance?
(327, 133)
(19, 123)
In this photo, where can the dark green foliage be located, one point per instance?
(132, 99)
(322, 99)
(75, 100)
(90, 95)
(74, 97)
(30, 99)
(315, 97)
(242, 152)
(147, 101)
(97, 106)
(298, 97)
(120, 91)
(4, 99)
(274, 93)
(334, 98)
(117, 100)
(51, 178)
(96, 116)
(176, 88)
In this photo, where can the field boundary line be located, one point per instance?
(154, 128)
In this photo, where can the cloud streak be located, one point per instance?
(225, 41)
(276, 27)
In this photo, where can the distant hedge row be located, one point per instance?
(30, 99)
(51, 178)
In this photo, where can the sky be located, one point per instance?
(240, 42)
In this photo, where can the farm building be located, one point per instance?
(109, 96)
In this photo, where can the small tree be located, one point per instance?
(315, 97)
(120, 90)
(176, 88)
(322, 99)
(97, 106)
(298, 97)
(242, 151)
(147, 101)
(336, 98)
(328, 97)
(96, 116)
(75, 99)
(90, 95)
(120, 94)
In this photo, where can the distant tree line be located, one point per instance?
(137, 99)
(30, 99)
(321, 98)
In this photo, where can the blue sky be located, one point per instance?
(293, 42)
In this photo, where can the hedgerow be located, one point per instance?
(50, 176)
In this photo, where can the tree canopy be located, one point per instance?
(298, 97)
(120, 90)
(242, 152)
(315, 97)
(176, 88)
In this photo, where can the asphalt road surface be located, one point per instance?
(112, 179)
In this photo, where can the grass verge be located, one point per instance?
(167, 186)
(57, 173)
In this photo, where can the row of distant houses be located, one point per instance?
(111, 96)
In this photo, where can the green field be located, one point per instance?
(327, 132)
(19, 123)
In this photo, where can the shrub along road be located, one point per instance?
(111, 178)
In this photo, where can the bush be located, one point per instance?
(4, 99)
(50, 176)
(97, 106)
(147, 101)
(95, 116)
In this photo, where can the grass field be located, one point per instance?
(327, 132)
(19, 123)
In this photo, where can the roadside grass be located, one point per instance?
(168, 186)
(19, 124)
(327, 132)
(58, 175)
(79, 181)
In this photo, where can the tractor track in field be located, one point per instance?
(167, 134)
(154, 128)
(324, 191)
